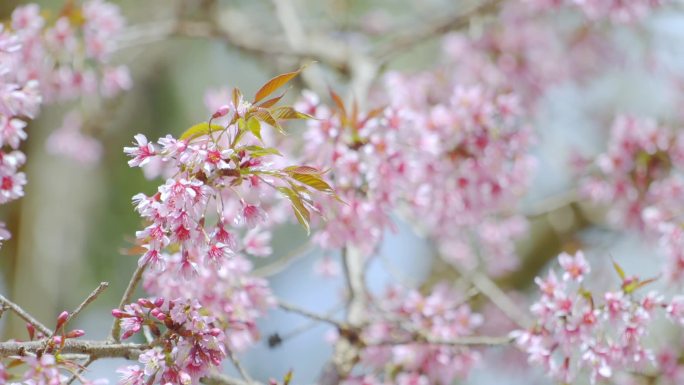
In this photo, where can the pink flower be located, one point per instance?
(253, 215)
(257, 242)
(575, 267)
(131, 375)
(141, 153)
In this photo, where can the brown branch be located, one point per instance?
(94, 349)
(282, 263)
(308, 314)
(411, 36)
(460, 341)
(26, 316)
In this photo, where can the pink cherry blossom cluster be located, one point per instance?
(412, 339)
(371, 166)
(211, 212)
(191, 343)
(637, 169)
(639, 179)
(19, 102)
(227, 291)
(68, 57)
(475, 163)
(618, 11)
(218, 187)
(579, 331)
(44, 61)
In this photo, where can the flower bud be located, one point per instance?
(222, 111)
(62, 319)
(159, 302)
(118, 313)
(144, 302)
(31, 331)
(75, 333)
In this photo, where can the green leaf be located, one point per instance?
(254, 127)
(242, 125)
(275, 83)
(302, 170)
(199, 130)
(288, 378)
(265, 116)
(298, 207)
(237, 96)
(619, 270)
(257, 151)
(313, 181)
(289, 113)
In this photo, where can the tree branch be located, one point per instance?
(411, 36)
(26, 316)
(94, 349)
(306, 313)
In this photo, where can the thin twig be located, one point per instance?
(241, 369)
(126, 298)
(408, 37)
(80, 370)
(306, 313)
(282, 263)
(90, 298)
(26, 316)
(460, 341)
(490, 289)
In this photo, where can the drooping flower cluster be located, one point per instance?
(68, 57)
(191, 343)
(412, 339)
(474, 167)
(371, 166)
(45, 61)
(580, 331)
(19, 102)
(218, 183)
(640, 179)
(226, 290)
(636, 171)
(211, 212)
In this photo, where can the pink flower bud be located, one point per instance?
(118, 313)
(159, 302)
(75, 333)
(31, 331)
(61, 319)
(222, 111)
(144, 302)
(158, 314)
(57, 340)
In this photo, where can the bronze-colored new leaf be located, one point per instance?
(274, 84)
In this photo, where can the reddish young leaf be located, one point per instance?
(275, 83)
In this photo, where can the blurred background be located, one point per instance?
(69, 229)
